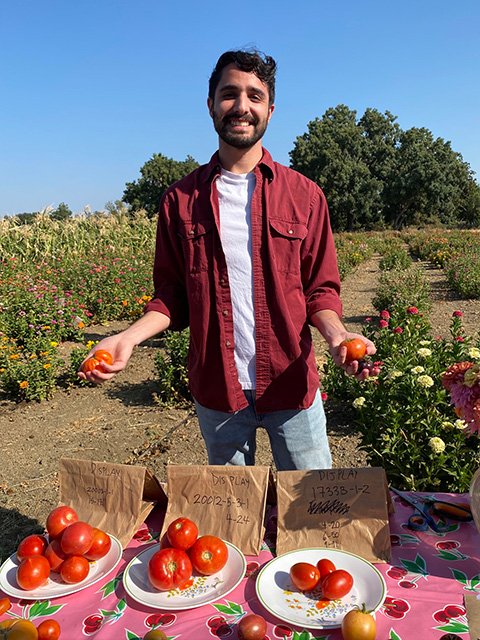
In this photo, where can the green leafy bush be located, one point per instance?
(404, 416)
(171, 365)
(402, 288)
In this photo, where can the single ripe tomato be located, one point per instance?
(48, 630)
(209, 554)
(358, 624)
(55, 555)
(252, 627)
(325, 566)
(102, 356)
(89, 365)
(182, 533)
(305, 576)
(21, 629)
(169, 569)
(59, 519)
(74, 569)
(33, 572)
(77, 538)
(100, 546)
(155, 634)
(4, 605)
(33, 545)
(356, 348)
(337, 584)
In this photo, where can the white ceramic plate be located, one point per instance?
(55, 587)
(204, 590)
(278, 595)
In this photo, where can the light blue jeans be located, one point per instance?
(298, 438)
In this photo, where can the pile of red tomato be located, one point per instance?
(172, 566)
(335, 583)
(69, 549)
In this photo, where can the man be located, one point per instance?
(245, 257)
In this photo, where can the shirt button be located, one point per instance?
(191, 232)
(225, 312)
(290, 231)
(222, 280)
(227, 343)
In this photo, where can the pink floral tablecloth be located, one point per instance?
(426, 581)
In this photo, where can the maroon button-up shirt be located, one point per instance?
(295, 274)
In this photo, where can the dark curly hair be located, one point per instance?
(264, 67)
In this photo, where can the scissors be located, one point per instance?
(424, 521)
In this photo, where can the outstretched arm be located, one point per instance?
(121, 345)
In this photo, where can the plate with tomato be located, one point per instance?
(199, 590)
(306, 604)
(55, 587)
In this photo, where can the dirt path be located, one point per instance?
(119, 422)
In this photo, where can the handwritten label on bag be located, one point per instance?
(114, 497)
(225, 501)
(335, 508)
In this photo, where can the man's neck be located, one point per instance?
(239, 160)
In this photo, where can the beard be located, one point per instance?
(237, 139)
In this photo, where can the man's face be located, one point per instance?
(240, 109)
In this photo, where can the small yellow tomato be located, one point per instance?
(358, 624)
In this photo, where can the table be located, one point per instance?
(426, 580)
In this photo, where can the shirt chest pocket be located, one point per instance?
(197, 243)
(286, 240)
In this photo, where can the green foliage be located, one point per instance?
(406, 423)
(158, 174)
(29, 372)
(397, 258)
(62, 212)
(402, 288)
(375, 175)
(172, 370)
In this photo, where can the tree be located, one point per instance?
(333, 153)
(428, 183)
(158, 174)
(62, 212)
(374, 174)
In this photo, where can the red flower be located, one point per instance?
(457, 314)
(324, 396)
(385, 315)
(412, 310)
(383, 324)
(398, 330)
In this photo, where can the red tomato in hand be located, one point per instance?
(305, 576)
(209, 554)
(33, 572)
(77, 538)
(59, 519)
(358, 624)
(169, 569)
(325, 566)
(182, 533)
(31, 546)
(356, 348)
(55, 555)
(252, 627)
(95, 361)
(48, 630)
(100, 546)
(74, 569)
(337, 584)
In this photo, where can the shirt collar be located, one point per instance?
(266, 165)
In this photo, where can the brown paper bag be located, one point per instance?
(224, 501)
(337, 508)
(472, 606)
(114, 497)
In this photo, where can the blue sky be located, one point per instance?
(91, 90)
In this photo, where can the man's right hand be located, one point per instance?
(120, 345)
(120, 348)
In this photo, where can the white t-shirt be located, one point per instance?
(235, 198)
